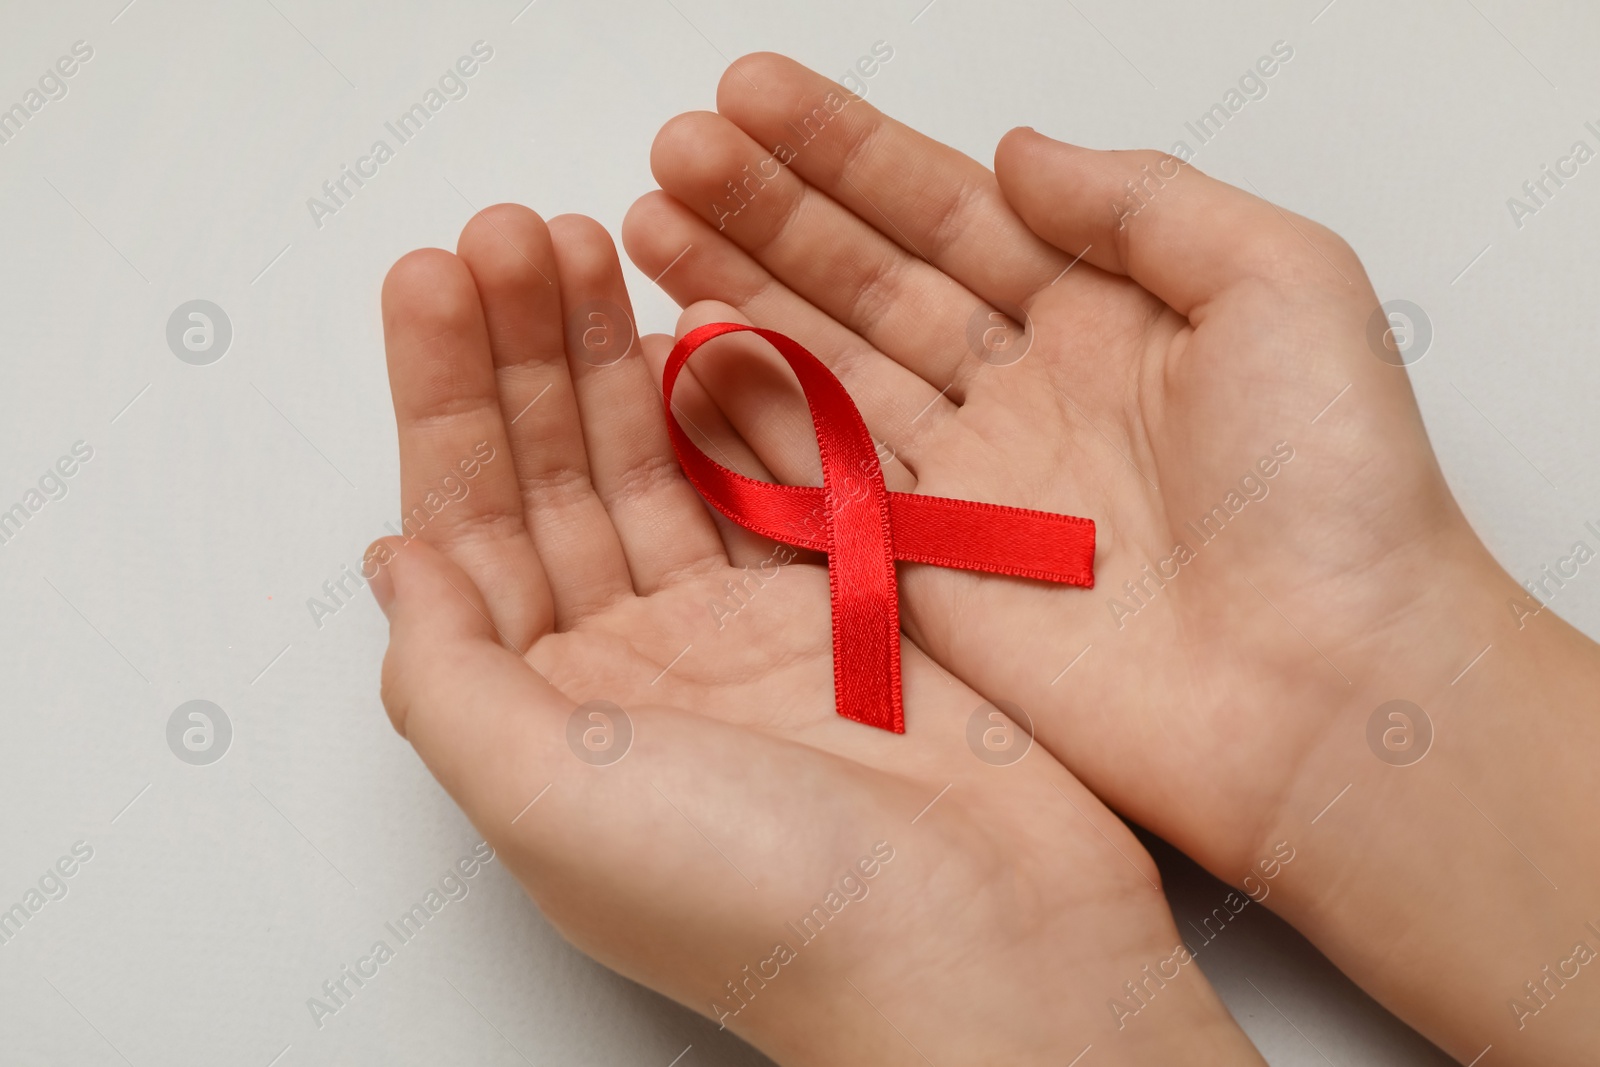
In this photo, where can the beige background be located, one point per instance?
(219, 498)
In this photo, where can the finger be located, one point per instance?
(476, 713)
(458, 486)
(925, 196)
(509, 251)
(909, 310)
(1182, 235)
(663, 527)
(898, 406)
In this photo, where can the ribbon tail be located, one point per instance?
(990, 537)
(862, 583)
(866, 653)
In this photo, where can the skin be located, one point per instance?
(1189, 348)
(981, 913)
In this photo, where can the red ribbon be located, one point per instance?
(865, 528)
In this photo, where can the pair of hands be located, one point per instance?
(1170, 351)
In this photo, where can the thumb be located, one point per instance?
(480, 717)
(1182, 235)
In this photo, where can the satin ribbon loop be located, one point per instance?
(864, 528)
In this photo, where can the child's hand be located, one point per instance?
(1208, 384)
(1141, 406)
(974, 912)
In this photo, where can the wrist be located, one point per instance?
(1039, 981)
(1444, 851)
(993, 1020)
